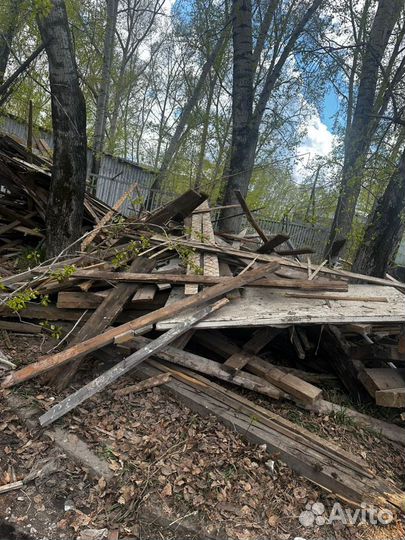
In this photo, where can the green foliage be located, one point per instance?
(42, 7)
(135, 247)
(45, 301)
(55, 330)
(186, 255)
(29, 258)
(19, 301)
(63, 273)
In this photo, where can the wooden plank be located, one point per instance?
(300, 389)
(210, 260)
(262, 257)
(294, 252)
(11, 487)
(249, 215)
(270, 307)
(158, 380)
(94, 343)
(21, 327)
(259, 340)
(296, 343)
(177, 209)
(322, 462)
(180, 279)
(78, 300)
(237, 361)
(336, 350)
(107, 217)
(385, 429)
(287, 382)
(381, 379)
(105, 314)
(126, 365)
(393, 397)
(211, 368)
(195, 258)
(334, 297)
(370, 351)
(272, 243)
(145, 293)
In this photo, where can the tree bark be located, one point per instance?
(242, 110)
(246, 122)
(7, 31)
(204, 134)
(66, 196)
(385, 227)
(104, 88)
(358, 139)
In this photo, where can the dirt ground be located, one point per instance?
(176, 474)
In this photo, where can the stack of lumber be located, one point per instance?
(168, 300)
(24, 187)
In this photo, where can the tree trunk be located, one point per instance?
(204, 135)
(66, 197)
(246, 123)
(242, 110)
(9, 15)
(186, 113)
(358, 139)
(104, 88)
(385, 227)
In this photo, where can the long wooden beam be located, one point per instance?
(180, 279)
(249, 215)
(111, 375)
(80, 349)
(212, 369)
(262, 257)
(324, 463)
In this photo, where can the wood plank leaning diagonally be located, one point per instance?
(126, 365)
(46, 363)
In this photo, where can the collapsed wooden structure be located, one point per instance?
(162, 296)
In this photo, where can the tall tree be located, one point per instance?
(104, 86)
(246, 115)
(66, 197)
(385, 227)
(359, 133)
(8, 25)
(187, 109)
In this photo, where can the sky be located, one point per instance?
(319, 138)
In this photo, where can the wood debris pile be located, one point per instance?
(24, 187)
(175, 304)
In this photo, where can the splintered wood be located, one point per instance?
(160, 296)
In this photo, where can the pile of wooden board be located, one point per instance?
(24, 187)
(166, 298)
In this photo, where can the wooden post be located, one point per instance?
(30, 129)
